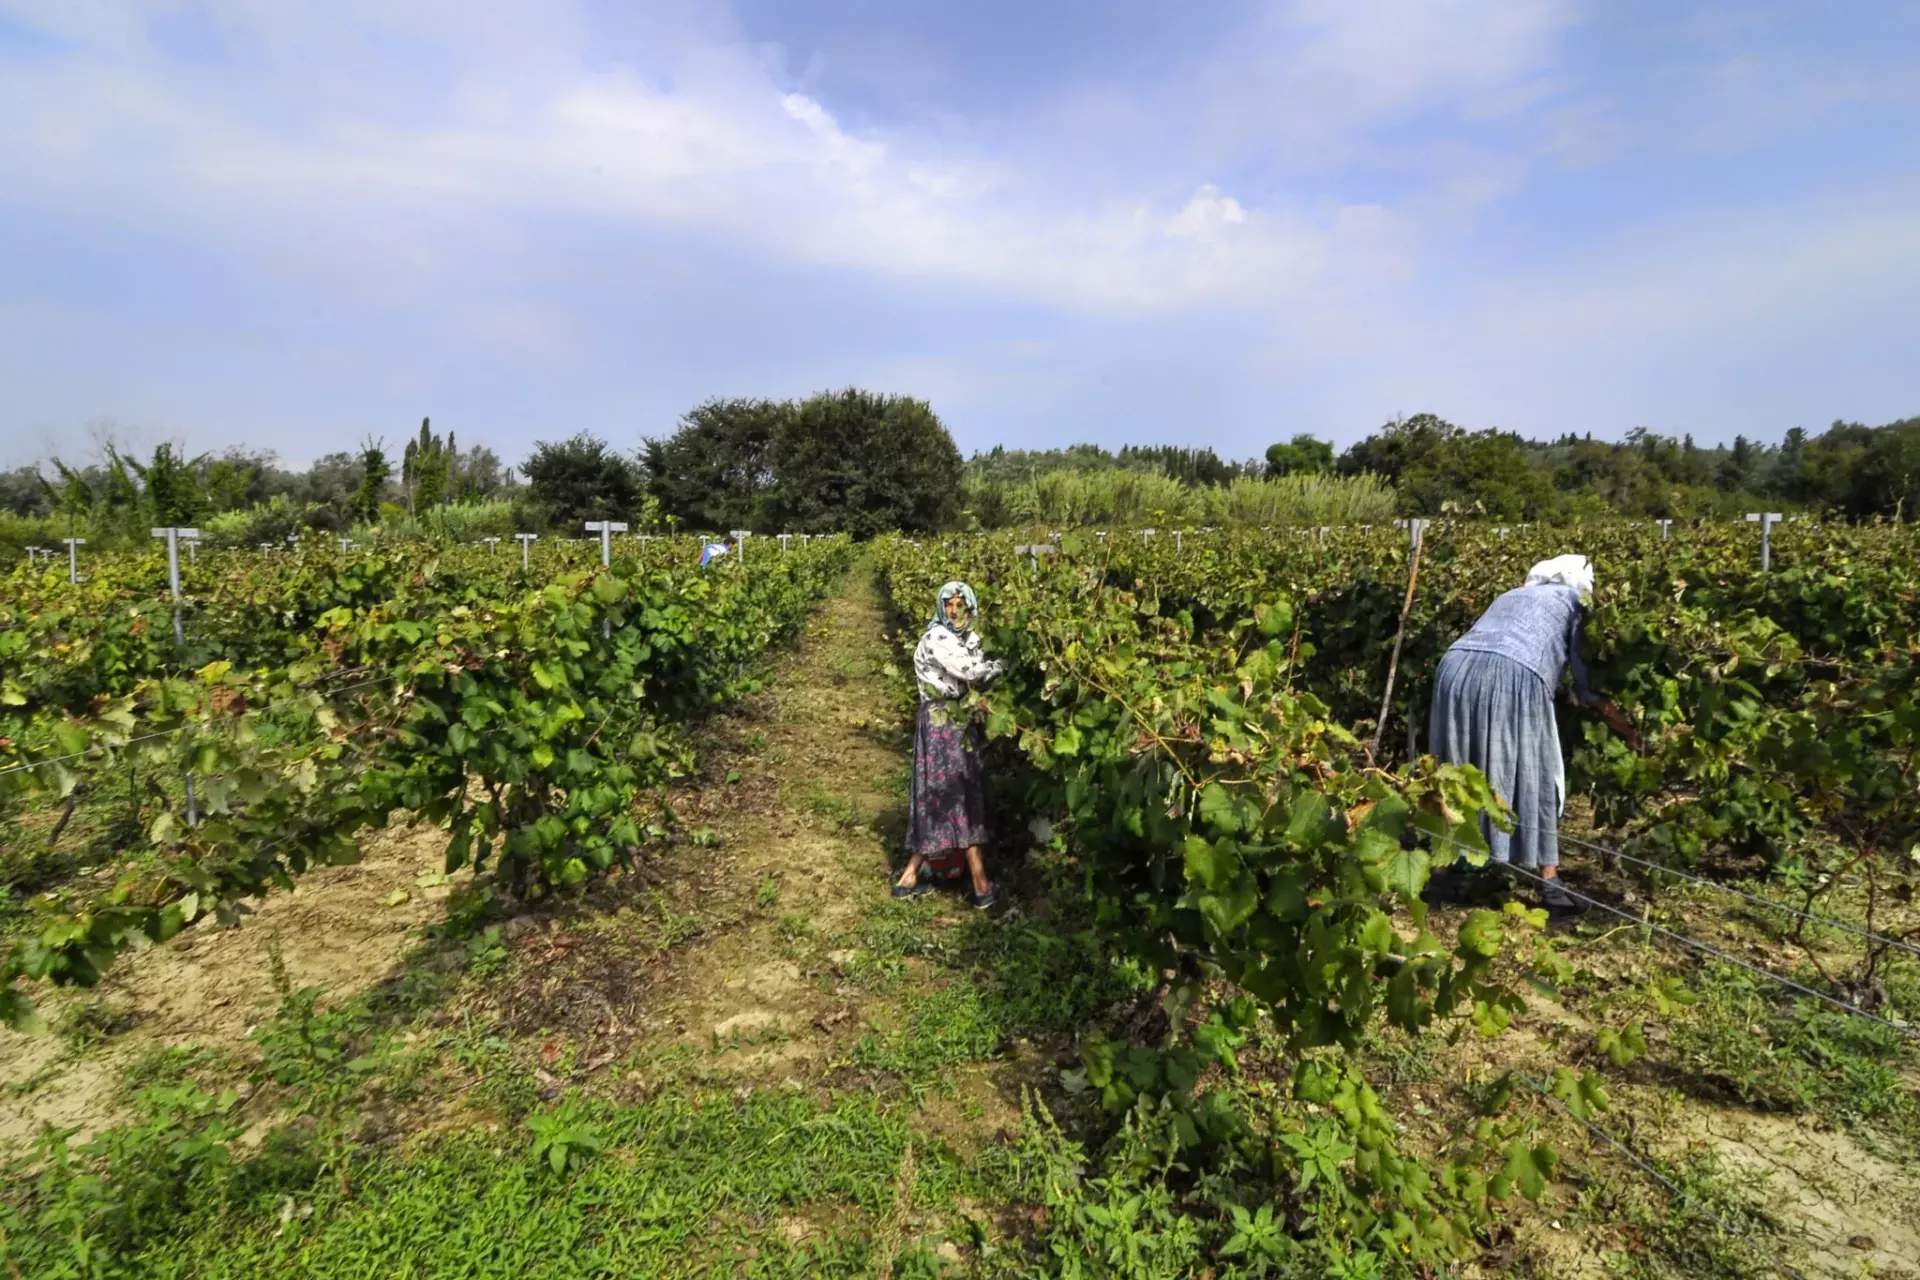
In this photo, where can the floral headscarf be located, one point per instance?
(947, 592)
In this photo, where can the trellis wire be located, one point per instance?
(1813, 917)
(1673, 1188)
(1705, 947)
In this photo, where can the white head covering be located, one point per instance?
(1565, 571)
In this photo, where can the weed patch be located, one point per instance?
(1799, 1056)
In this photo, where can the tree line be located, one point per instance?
(1850, 470)
(860, 462)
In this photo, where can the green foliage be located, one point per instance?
(564, 1140)
(427, 469)
(526, 721)
(172, 487)
(837, 462)
(1669, 1238)
(1438, 468)
(375, 471)
(715, 471)
(1214, 813)
(91, 1022)
(273, 521)
(859, 463)
(579, 479)
(680, 1185)
(1798, 1056)
(1303, 455)
(1133, 498)
(1234, 1186)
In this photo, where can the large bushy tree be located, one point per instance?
(1303, 455)
(715, 470)
(1440, 468)
(846, 461)
(859, 463)
(578, 479)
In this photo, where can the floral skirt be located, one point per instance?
(949, 808)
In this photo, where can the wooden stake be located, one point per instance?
(1393, 667)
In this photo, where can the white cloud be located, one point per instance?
(259, 146)
(1314, 189)
(1206, 214)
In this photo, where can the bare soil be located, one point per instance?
(339, 930)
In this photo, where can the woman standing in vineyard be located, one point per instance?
(1493, 708)
(949, 804)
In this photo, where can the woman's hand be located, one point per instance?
(1616, 719)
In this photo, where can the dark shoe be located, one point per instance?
(981, 901)
(1560, 904)
(918, 889)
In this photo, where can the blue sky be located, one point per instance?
(291, 224)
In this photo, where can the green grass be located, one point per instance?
(843, 813)
(681, 1185)
(1675, 1240)
(939, 1028)
(1800, 1056)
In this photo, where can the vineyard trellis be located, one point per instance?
(1197, 717)
(1191, 713)
(558, 703)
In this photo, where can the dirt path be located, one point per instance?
(800, 800)
(342, 929)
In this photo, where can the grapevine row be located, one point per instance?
(527, 721)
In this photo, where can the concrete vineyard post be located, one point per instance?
(174, 535)
(523, 539)
(1666, 529)
(606, 529)
(73, 559)
(1766, 520)
(1034, 551)
(493, 545)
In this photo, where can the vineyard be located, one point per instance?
(661, 1018)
